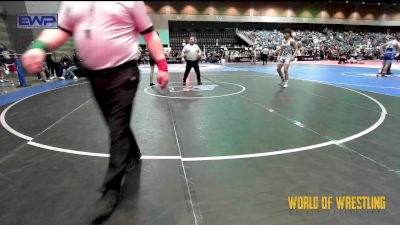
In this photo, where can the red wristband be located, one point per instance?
(162, 65)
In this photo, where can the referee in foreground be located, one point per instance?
(112, 71)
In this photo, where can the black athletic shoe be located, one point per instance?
(184, 83)
(200, 83)
(152, 84)
(105, 206)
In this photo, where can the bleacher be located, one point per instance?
(207, 39)
(319, 43)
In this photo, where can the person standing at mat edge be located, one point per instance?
(287, 53)
(152, 62)
(191, 54)
(113, 74)
(390, 49)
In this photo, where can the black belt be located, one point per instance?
(108, 71)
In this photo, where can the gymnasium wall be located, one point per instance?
(19, 39)
(14, 39)
(273, 12)
(225, 11)
(351, 13)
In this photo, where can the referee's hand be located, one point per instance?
(32, 60)
(162, 78)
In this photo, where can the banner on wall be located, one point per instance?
(37, 21)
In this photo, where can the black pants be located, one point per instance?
(189, 65)
(388, 70)
(115, 92)
(264, 58)
(52, 69)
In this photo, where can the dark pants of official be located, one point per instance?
(189, 65)
(115, 92)
(264, 58)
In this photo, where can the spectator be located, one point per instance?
(69, 68)
(51, 65)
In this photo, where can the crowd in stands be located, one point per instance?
(172, 56)
(323, 44)
(326, 43)
(318, 44)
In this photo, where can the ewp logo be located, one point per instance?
(192, 88)
(34, 21)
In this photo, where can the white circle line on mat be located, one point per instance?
(210, 158)
(201, 97)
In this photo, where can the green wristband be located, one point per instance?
(38, 44)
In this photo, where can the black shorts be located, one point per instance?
(152, 62)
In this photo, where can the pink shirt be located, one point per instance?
(105, 33)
